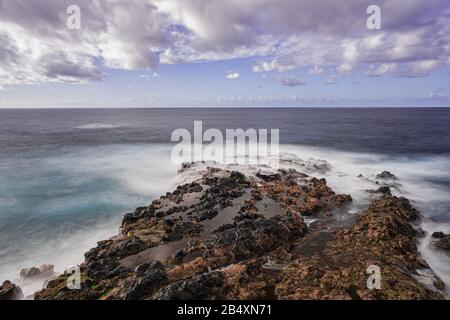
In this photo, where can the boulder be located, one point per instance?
(441, 241)
(10, 291)
(44, 271)
(128, 247)
(204, 286)
(149, 276)
(268, 175)
(383, 190)
(386, 175)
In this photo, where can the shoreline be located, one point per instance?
(134, 256)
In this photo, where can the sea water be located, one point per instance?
(67, 176)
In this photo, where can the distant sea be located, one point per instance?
(67, 176)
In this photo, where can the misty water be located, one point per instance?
(68, 176)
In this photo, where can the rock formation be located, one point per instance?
(10, 291)
(274, 235)
(441, 241)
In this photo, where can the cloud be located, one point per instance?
(315, 70)
(419, 68)
(331, 80)
(148, 76)
(273, 65)
(232, 75)
(380, 69)
(289, 81)
(36, 46)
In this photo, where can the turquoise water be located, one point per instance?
(68, 176)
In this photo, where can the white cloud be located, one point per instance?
(316, 70)
(332, 80)
(420, 68)
(381, 69)
(232, 75)
(35, 45)
(272, 65)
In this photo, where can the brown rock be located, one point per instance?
(10, 291)
(237, 239)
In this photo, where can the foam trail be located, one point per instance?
(64, 204)
(101, 183)
(419, 182)
(420, 179)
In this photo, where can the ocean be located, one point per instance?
(67, 176)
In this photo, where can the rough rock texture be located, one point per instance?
(9, 291)
(382, 236)
(386, 175)
(441, 241)
(228, 236)
(44, 271)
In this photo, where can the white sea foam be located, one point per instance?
(417, 176)
(97, 126)
(144, 172)
(136, 175)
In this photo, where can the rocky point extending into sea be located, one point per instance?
(270, 235)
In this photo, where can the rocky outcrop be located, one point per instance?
(386, 175)
(230, 236)
(10, 291)
(383, 236)
(441, 241)
(44, 271)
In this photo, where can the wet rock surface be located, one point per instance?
(231, 236)
(10, 291)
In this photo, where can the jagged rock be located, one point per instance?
(386, 175)
(188, 188)
(10, 291)
(44, 271)
(340, 199)
(382, 236)
(382, 190)
(148, 277)
(205, 286)
(103, 261)
(268, 176)
(217, 238)
(178, 230)
(128, 247)
(28, 273)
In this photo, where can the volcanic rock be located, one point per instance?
(10, 291)
(386, 175)
(230, 236)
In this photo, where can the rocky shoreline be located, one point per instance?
(272, 235)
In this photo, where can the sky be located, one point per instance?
(168, 53)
